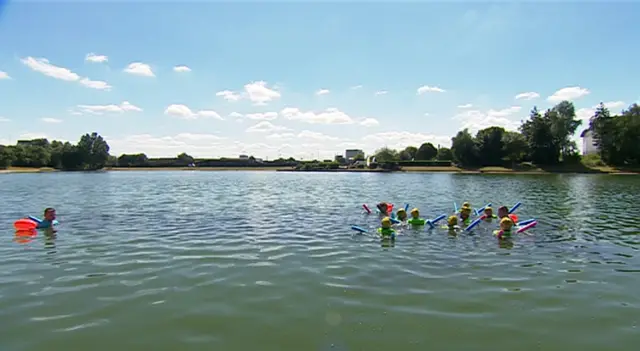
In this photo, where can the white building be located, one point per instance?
(588, 144)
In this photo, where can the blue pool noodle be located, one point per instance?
(406, 208)
(38, 220)
(455, 207)
(515, 207)
(520, 224)
(394, 221)
(358, 229)
(473, 224)
(438, 219)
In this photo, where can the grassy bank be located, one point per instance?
(576, 169)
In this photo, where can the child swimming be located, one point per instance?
(452, 223)
(385, 230)
(401, 214)
(465, 215)
(488, 214)
(506, 224)
(384, 209)
(503, 212)
(49, 217)
(415, 218)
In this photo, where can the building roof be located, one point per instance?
(584, 132)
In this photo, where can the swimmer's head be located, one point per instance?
(402, 214)
(506, 223)
(49, 214)
(452, 221)
(466, 204)
(488, 211)
(465, 212)
(383, 207)
(386, 222)
(415, 213)
(503, 211)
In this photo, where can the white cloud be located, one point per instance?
(181, 69)
(401, 139)
(125, 106)
(235, 115)
(356, 87)
(91, 57)
(569, 94)
(380, 92)
(265, 127)
(42, 65)
(264, 116)
(465, 106)
(95, 84)
(369, 122)
(259, 93)
(530, 95)
(427, 89)
(50, 120)
(322, 92)
(281, 136)
(307, 134)
(585, 114)
(4, 119)
(4, 75)
(184, 112)
(426, 113)
(476, 120)
(329, 116)
(139, 69)
(229, 95)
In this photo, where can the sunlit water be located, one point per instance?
(267, 261)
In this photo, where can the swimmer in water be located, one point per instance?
(465, 215)
(384, 209)
(452, 223)
(488, 214)
(415, 218)
(401, 214)
(503, 212)
(385, 230)
(49, 217)
(506, 224)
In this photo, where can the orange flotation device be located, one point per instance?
(25, 224)
(514, 218)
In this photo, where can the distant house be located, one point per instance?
(350, 154)
(243, 157)
(588, 144)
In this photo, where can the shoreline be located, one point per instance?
(407, 169)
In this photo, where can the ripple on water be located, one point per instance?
(249, 260)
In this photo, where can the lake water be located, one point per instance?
(267, 261)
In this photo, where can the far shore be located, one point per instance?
(427, 169)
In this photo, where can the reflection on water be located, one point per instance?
(267, 261)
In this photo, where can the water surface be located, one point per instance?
(267, 261)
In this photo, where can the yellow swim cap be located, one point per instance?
(466, 204)
(506, 220)
(401, 210)
(465, 209)
(488, 208)
(386, 221)
(415, 211)
(452, 220)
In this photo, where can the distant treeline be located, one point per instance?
(544, 139)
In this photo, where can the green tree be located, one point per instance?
(386, 154)
(444, 154)
(185, 159)
(133, 160)
(359, 156)
(515, 147)
(490, 146)
(538, 133)
(412, 151)
(464, 150)
(426, 152)
(94, 150)
(6, 156)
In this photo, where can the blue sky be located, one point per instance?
(302, 78)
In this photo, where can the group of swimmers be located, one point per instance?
(462, 217)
